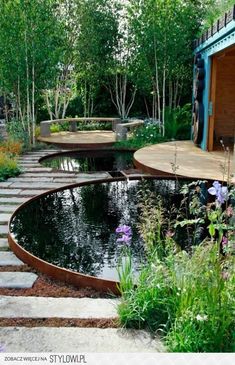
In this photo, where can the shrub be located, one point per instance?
(18, 133)
(8, 167)
(11, 147)
(178, 122)
(142, 136)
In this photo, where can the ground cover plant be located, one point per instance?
(185, 292)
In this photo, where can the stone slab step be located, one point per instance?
(34, 185)
(5, 184)
(12, 200)
(4, 246)
(8, 208)
(9, 258)
(4, 217)
(79, 340)
(43, 307)
(3, 230)
(9, 192)
(17, 280)
(41, 153)
(34, 192)
(29, 179)
(26, 165)
(47, 174)
(38, 169)
(28, 158)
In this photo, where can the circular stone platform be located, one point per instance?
(81, 139)
(189, 160)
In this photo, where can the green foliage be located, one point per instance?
(81, 126)
(187, 296)
(8, 167)
(178, 122)
(143, 136)
(214, 10)
(17, 132)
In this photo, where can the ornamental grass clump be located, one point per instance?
(187, 294)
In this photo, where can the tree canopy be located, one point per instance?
(135, 55)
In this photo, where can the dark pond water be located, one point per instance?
(90, 161)
(75, 228)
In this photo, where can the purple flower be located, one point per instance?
(124, 229)
(221, 192)
(126, 234)
(2, 348)
(124, 239)
(224, 241)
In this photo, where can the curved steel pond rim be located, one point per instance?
(56, 272)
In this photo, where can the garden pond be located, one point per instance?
(90, 161)
(74, 228)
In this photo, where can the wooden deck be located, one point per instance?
(190, 160)
(82, 139)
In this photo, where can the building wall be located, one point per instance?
(225, 97)
(220, 41)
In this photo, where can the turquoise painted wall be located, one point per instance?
(221, 40)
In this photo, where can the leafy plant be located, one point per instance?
(11, 147)
(142, 136)
(8, 167)
(187, 296)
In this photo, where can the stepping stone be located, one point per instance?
(35, 185)
(9, 259)
(8, 208)
(43, 307)
(24, 166)
(10, 191)
(28, 179)
(65, 180)
(49, 174)
(4, 218)
(12, 200)
(3, 230)
(33, 192)
(4, 246)
(17, 280)
(82, 340)
(5, 184)
(38, 169)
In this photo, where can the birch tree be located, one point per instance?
(29, 47)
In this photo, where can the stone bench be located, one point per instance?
(122, 128)
(45, 125)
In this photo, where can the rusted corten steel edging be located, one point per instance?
(56, 272)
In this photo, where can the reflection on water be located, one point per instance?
(75, 228)
(86, 161)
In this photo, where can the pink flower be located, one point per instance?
(169, 234)
(229, 211)
(224, 241)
